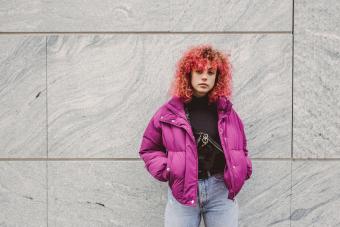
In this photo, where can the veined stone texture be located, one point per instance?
(23, 96)
(315, 193)
(145, 16)
(80, 80)
(265, 198)
(23, 193)
(231, 15)
(316, 79)
(84, 16)
(93, 101)
(104, 193)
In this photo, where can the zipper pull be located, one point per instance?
(205, 138)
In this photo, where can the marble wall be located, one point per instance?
(80, 80)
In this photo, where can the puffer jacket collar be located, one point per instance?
(176, 106)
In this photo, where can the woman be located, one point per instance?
(196, 142)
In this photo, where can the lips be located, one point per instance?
(203, 84)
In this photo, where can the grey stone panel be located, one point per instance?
(265, 198)
(23, 96)
(23, 193)
(104, 193)
(111, 106)
(84, 16)
(315, 193)
(233, 15)
(316, 106)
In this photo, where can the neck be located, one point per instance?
(202, 97)
(199, 101)
(197, 94)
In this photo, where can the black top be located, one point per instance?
(203, 117)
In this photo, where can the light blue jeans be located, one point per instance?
(213, 204)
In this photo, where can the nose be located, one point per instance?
(204, 76)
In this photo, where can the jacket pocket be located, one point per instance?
(239, 169)
(176, 166)
(241, 163)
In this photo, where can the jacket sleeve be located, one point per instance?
(152, 150)
(245, 149)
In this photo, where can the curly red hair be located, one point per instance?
(196, 58)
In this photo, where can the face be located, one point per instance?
(203, 81)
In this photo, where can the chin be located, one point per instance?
(203, 90)
(203, 93)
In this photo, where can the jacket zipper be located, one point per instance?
(195, 149)
(229, 165)
(196, 171)
(195, 146)
(231, 175)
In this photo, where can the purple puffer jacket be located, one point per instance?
(169, 150)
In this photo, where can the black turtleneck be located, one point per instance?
(203, 117)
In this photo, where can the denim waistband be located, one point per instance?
(207, 174)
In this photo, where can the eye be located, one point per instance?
(211, 73)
